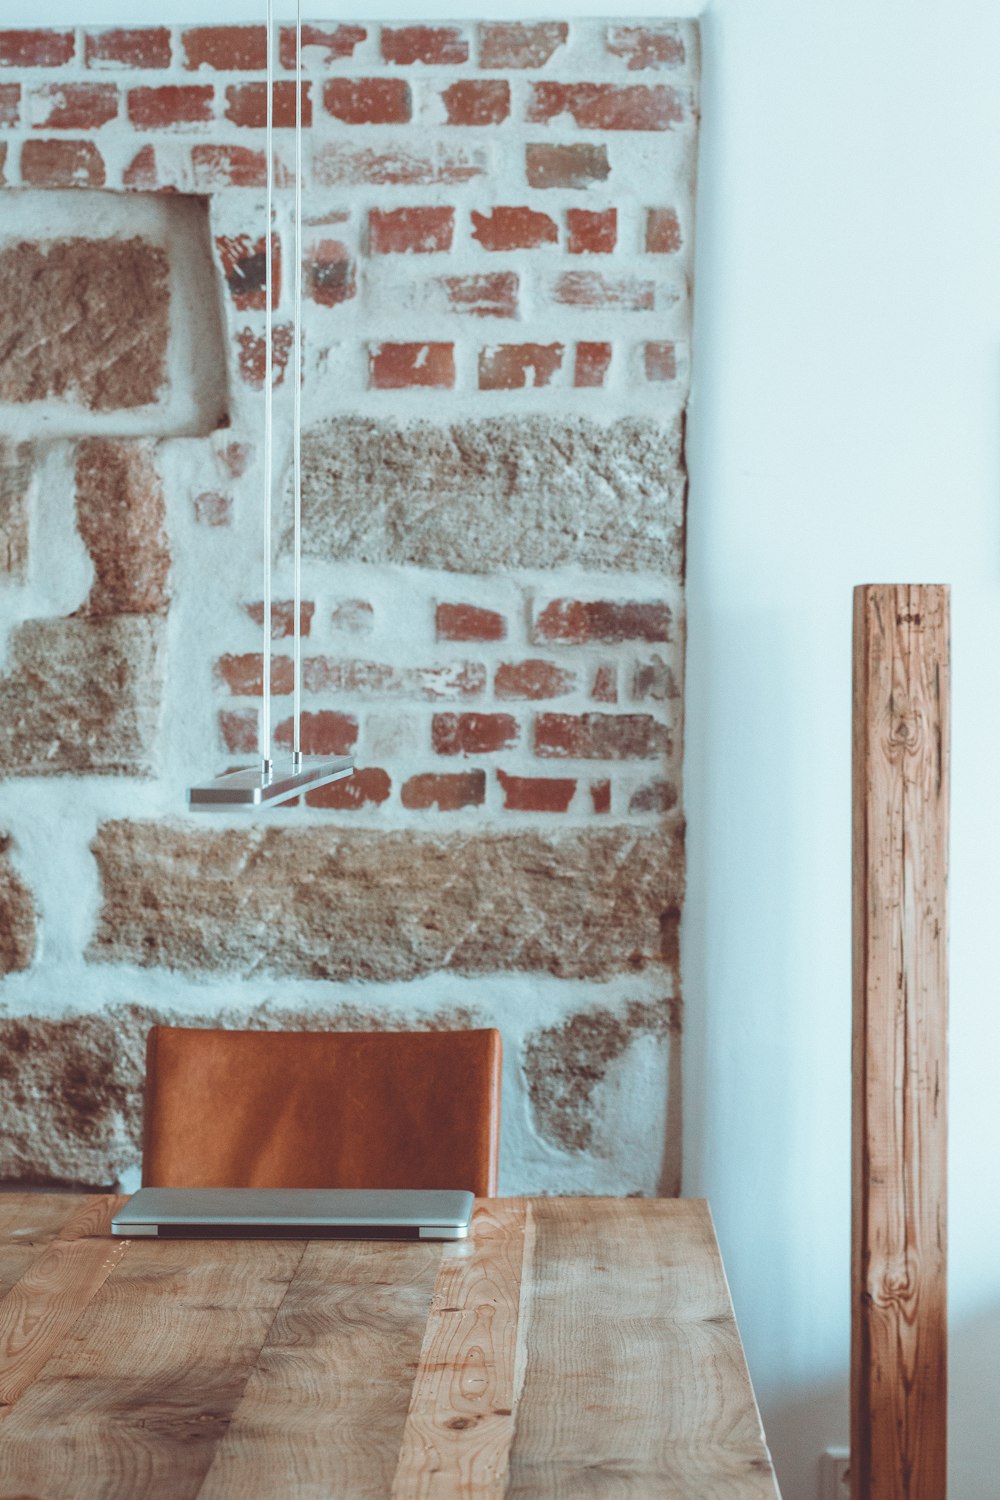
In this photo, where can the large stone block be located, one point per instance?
(85, 320)
(71, 1087)
(121, 515)
(17, 916)
(565, 1065)
(504, 492)
(324, 903)
(15, 479)
(82, 697)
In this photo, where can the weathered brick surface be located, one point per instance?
(648, 46)
(596, 736)
(82, 697)
(446, 792)
(139, 47)
(328, 903)
(476, 101)
(52, 299)
(469, 622)
(480, 496)
(17, 915)
(122, 520)
(574, 166)
(514, 44)
(62, 164)
(442, 45)
(511, 367)
(15, 482)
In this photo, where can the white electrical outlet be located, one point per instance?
(835, 1475)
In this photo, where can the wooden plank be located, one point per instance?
(41, 1308)
(460, 1425)
(29, 1222)
(136, 1400)
(635, 1382)
(899, 1311)
(323, 1411)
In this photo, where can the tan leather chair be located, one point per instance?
(305, 1109)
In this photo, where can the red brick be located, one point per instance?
(394, 367)
(533, 679)
(606, 106)
(580, 622)
(142, 172)
(231, 49)
(456, 679)
(227, 166)
(244, 267)
(329, 273)
(509, 367)
(367, 785)
(156, 108)
(10, 103)
(353, 615)
(491, 296)
(36, 49)
(591, 289)
(418, 231)
(335, 165)
(211, 508)
(448, 793)
(473, 734)
(515, 45)
(654, 796)
(575, 166)
(597, 736)
(646, 46)
(239, 730)
(600, 796)
(74, 106)
(592, 233)
(120, 514)
(242, 674)
(330, 42)
(660, 361)
(246, 105)
(514, 229)
(3, 162)
(424, 44)
(368, 101)
(592, 364)
(252, 353)
(468, 622)
(545, 794)
(605, 685)
(282, 616)
(62, 164)
(235, 458)
(141, 47)
(477, 101)
(323, 733)
(663, 231)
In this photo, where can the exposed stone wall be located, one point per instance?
(497, 314)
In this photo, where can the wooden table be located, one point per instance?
(575, 1347)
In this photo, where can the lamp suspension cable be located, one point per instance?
(297, 409)
(272, 782)
(265, 721)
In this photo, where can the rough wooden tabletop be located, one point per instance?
(575, 1347)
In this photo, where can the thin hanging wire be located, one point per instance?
(265, 735)
(297, 399)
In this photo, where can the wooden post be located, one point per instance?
(898, 1312)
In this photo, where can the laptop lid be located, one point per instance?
(288, 1213)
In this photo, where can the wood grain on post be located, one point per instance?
(898, 1310)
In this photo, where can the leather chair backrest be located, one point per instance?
(387, 1109)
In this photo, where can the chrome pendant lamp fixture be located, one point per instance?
(275, 780)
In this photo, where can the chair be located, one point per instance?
(350, 1109)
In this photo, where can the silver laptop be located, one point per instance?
(295, 1213)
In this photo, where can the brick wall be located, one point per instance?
(497, 260)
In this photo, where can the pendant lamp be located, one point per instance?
(275, 780)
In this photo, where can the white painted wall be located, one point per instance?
(845, 428)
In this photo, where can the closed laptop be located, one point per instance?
(292, 1213)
